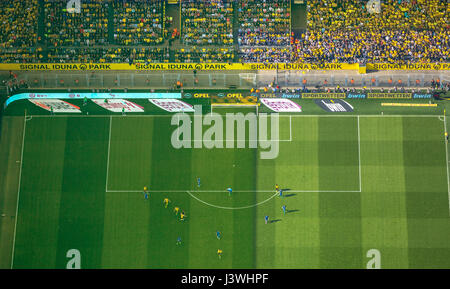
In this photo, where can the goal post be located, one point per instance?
(235, 106)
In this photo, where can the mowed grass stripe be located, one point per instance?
(265, 233)
(130, 154)
(127, 215)
(39, 204)
(11, 152)
(220, 169)
(245, 175)
(82, 203)
(292, 240)
(383, 201)
(297, 234)
(215, 168)
(171, 170)
(427, 193)
(340, 213)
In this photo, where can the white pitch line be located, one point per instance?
(18, 190)
(359, 157)
(109, 147)
(245, 140)
(446, 156)
(290, 128)
(281, 115)
(224, 191)
(232, 208)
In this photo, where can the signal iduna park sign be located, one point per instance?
(215, 66)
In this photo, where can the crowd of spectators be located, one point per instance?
(18, 23)
(108, 55)
(207, 22)
(138, 22)
(204, 54)
(18, 55)
(405, 31)
(264, 23)
(64, 28)
(265, 54)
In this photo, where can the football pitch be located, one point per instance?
(352, 183)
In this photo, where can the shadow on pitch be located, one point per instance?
(274, 221)
(289, 195)
(291, 211)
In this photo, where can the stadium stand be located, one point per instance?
(404, 32)
(18, 31)
(264, 23)
(138, 22)
(107, 55)
(76, 29)
(204, 54)
(264, 28)
(207, 22)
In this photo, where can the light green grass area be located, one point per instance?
(353, 183)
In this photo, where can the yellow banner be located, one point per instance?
(216, 66)
(392, 95)
(323, 95)
(411, 104)
(415, 66)
(174, 66)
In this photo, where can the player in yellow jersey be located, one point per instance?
(446, 136)
(166, 202)
(278, 190)
(219, 253)
(182, 216)
(176, 209)
(146, 194)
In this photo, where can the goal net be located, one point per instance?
(223, 108)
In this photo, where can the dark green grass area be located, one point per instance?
(82, 181)
(427, 207)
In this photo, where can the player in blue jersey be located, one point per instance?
(179, 241)
(146, 194)
(229, 191)
(218, 235)
(198, 182)
(266, 219)
(284, 209)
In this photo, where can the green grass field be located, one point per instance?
(354, 183)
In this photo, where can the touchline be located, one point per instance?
(209, 130)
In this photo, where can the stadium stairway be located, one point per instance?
(41, 20)
(236, 31)
(41, 30)
(298, 18)
(173, 10)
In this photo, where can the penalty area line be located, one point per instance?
(232, 208)
(224, 191)
(109, 148)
